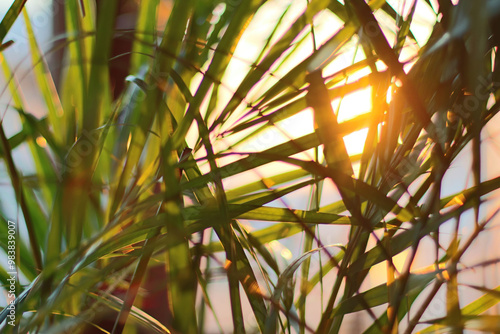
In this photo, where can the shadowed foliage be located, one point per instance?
(170, 186)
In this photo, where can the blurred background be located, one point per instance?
(48, 22)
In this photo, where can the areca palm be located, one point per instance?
(154, 186)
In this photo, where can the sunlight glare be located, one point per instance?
(354, 104)
(351, 106)
(301, 124)
(355, 142)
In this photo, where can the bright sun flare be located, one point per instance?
(351, 106)
(347, 107)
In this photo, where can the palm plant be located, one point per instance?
(144, 199)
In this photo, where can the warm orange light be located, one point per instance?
(41, 142)
(227, 264)
(459, 199)
(351, 106)
(129, 140)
